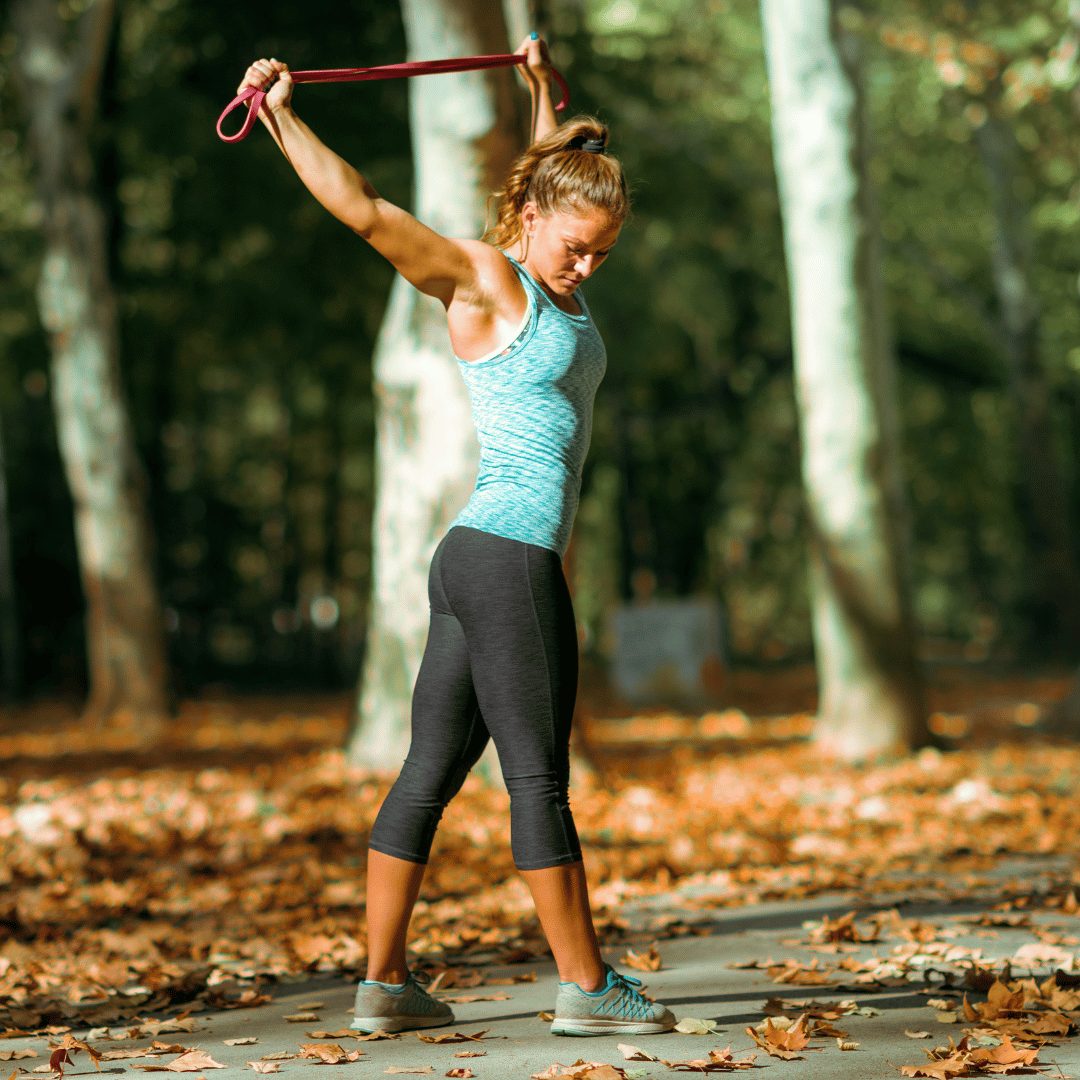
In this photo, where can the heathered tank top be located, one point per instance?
(532, 405)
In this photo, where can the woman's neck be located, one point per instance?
(520, 253)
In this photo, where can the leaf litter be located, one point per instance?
(130, 892)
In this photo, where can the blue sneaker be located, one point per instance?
(615, 1009)
(383, 1007)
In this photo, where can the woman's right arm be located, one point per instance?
(537, 74)
(436, 265)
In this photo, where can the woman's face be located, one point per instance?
(564, 249)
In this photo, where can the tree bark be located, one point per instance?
(1052, 558)
(872, 698)
(465, 135)
(59, 68)
(10, 652)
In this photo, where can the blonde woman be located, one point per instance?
(501, 657)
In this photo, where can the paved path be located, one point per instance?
(695, 982)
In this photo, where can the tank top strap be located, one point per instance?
(528, 280)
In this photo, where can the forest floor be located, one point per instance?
(227, 866)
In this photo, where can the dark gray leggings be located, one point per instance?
(501, 659)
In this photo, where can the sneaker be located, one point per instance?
(615, 1009)
(382, 1007)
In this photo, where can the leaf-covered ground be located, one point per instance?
(231, 858)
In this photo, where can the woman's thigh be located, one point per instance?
(517, 619)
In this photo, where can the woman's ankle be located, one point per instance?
(392, 976)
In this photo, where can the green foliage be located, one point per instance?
(249, 319)
(248, 322)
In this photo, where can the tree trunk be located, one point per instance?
(10, 658)
(872, 698)
(1056, 588)
(59, 66)
(465, 135)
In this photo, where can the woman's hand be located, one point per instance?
(270, 73)
(537, 72)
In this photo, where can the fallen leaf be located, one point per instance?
(248, 1040)
(343, 1033)
(649, 961)
(265, 1066)
(301, 1017)
(546, 1017)
(634, 1053)
(917, 1034)
(164, 1027)
(691, 1026)
(410, 1069)
(281, 1055)
(192, 1061)
(947, 1016)
(330, 1053)
(841, 1044)
(471, 1053)
(460, 1072)
(65, 1052)
(780, 1043)
(462, 999)
(452, 1037)
(943, 1069)
(249, 999)
(16, 1055)
(816, 1010)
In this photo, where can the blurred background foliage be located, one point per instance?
(249, 318)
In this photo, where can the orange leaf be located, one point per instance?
(649, 961)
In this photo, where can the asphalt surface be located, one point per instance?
(695, 981)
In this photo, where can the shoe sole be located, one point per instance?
(392, 1024)
(607, 1027)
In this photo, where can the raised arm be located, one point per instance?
(537, 73)
(434, 264)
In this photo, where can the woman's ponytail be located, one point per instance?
(567, 171)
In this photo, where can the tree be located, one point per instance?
(991, 85)
(870, 687)
(59, 68)
(465, 135)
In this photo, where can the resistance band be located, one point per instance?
(388, 71)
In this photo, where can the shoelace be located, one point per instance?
(637, 1006)
(420, 997)
(387, 71)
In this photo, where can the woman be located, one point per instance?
(501, 656)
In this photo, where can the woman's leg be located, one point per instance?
(561, 896)
(392, 888)
(515, 611)
(448, 737)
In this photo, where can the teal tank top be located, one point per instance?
(532, 405)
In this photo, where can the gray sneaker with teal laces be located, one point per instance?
(385, 1007)
(615, 1009)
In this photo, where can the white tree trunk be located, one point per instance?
(465, 135)
(59, 67)
(871, 694)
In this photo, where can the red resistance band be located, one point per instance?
(388, 71)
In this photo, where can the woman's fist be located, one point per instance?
(538, 68)
(270, 75)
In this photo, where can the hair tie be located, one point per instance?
(590, 146)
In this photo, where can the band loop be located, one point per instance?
(387, 71)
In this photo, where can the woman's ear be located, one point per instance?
(529, 215)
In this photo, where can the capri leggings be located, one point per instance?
(501, 661)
